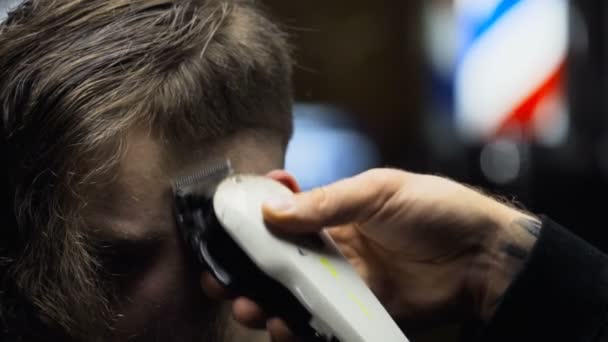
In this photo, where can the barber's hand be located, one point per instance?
(433, 251)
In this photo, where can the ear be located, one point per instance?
(286, 179)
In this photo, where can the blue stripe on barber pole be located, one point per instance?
(473, 26)
(502, 8)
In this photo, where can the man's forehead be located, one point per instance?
(110, 230)
(133, 205)
(137, 203)
(127, 213)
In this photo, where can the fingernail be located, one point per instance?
(283, 203)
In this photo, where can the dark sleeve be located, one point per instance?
(560, 295)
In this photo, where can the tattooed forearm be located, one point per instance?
(509, 252)
(530, 225)
(521, 238)
(515, 251)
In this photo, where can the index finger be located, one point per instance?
(351, 200)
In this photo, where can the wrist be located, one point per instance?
(507, 238)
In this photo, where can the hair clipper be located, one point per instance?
(303, 280)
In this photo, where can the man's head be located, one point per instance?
(102, 102)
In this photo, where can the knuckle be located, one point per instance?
(381, 180)
(384, 184)
(320, 199)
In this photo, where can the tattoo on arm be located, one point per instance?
(513, 248)
(515, 251)
(525, 233)
(530, 225)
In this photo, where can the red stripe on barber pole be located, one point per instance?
(523, 115)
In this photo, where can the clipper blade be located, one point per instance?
(204, 181)
(193, 210)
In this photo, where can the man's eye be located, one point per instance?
(127, 259)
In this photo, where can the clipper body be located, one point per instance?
(304, 280)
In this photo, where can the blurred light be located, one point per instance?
(440, 49)
(511, 63)
(5, 6)
(477, 8)
(580, 39)
(327, 147)
(440, 37)
(551, 122)
(501, 161)
(440, 45)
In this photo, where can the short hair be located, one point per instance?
(76, 76)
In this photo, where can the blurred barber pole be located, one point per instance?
(497, 71)
(510, 70)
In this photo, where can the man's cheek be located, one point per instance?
(159, 289)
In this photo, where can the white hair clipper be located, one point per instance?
(303, 280)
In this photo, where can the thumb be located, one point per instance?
(351, 200)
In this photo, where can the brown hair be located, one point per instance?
(76, 76)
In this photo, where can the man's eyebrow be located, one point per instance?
(113, 237)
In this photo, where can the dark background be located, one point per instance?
(367, 57)
(364, 56)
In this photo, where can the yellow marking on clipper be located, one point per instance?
(332, 270)
(359, 304)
